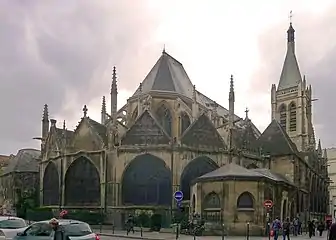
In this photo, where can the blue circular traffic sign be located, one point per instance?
(178, 195)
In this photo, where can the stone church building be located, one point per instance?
(169, 136)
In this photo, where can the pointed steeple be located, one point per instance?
(290, 75)
(103, 111)
(231, 103)
(114, 95)
(319, 148)
(45, 122)
(325, 155)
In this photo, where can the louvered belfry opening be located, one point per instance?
(147, 181)
(82, 184)
(283, 116)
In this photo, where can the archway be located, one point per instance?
(284, 210)
(51, 188)
(82, 184)
(245, 201)
(147, 181)
(194, 169)
(211, 207)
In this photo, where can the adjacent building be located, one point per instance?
(169, 136)
(331, 152)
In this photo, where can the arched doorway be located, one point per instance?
(51, 188)
(147, 181)
(194, 169)
(82, 184)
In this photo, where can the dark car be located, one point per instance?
(70, 229)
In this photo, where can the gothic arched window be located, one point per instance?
(211, 201)
(135, 114)
(292, 117)
(185, 122)
(245, 200)
(165, 118)
(283, 116)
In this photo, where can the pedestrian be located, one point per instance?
(286, 229)
(276, 226)
(320, 228)
(332, 232)
(129, 224)
(311, 228)
(58, 235)
(296, 226)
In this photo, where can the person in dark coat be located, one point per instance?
(320, 228)
(311, 228)
(332, 232)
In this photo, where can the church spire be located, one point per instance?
(290, 75)
(103, 111)
(114, 95)
(231, 103)
(45, 122)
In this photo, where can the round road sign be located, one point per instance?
(178, 195)
(268, 203)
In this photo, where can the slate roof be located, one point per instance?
(244, 138)
(275, 141)
(59, 135)
(169, 75)
(231, 171)
(273, 176)
(290, 74)
(26, 160)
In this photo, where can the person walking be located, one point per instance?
(311, 228)
(276, 226)
(130, 224)
(320, 228)
(286, 229)
(296, 226)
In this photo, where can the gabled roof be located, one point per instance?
(290, 74)
(26, 160)
(274, 176)
(275, 141)
(146, 130)
(202, 132)
(99, 128)
(167, 75)
(231, 171)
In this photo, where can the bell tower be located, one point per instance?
(291, 99)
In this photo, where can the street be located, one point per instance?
(159, 236)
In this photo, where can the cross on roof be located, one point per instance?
(246, 112)
(85, 110)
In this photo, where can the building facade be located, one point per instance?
(169, 136)
(331, 153)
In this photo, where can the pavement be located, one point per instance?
(107, 234)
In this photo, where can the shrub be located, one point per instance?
(90, 217)
(39, 214)
(143, 220)
(156, 224)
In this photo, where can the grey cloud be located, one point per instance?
(316, 53)
(49, 47)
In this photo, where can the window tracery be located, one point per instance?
(165, 118)
(245, 200)
(185, 122)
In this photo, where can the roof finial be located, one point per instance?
(246, 113)
(290, 16)
(64, 127)
(140, 87)
(231, 83)
(85, 110)
(45, 116)
(164, 48)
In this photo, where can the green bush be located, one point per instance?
(90, 217)
(156, 222)
(143, 220)
(39, 214)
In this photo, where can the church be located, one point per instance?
(170, 137)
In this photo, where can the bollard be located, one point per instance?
(177, 231)
(113, 228)
(194, 232)
(141, 230)
(223, 232)
(101, 227)
(248, 231)
(269, 230)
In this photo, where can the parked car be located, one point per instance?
(10, 226)
(71, 229)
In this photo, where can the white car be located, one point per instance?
(10, 226)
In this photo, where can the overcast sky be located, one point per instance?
(62, 52)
